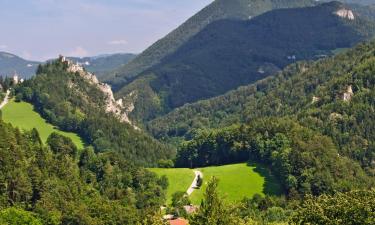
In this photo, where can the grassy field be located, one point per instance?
(179, 180)
(23, 116)
(236, 181)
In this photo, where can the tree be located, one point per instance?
(15, 216)
(212, 209)
(355, 207)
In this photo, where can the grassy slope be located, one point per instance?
(179, 179)
(23, 116)
(235, 181)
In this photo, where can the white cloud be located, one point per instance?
(78, 52)
(118, 42)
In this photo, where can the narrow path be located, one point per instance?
(194, 185)
(6, 99)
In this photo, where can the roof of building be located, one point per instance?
(179, 221)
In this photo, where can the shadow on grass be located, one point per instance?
(272, 185)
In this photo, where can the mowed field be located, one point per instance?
(236, 181)
(23, 116)
(179, 179)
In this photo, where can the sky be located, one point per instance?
(43, 29)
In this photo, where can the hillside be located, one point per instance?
(52, 184)
(217, 10)
(74, 100)
(100, 65)
(211, 63)
(22, 116)
(9, 64)
(332, 96)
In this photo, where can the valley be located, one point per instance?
(237, 181)
(251, 112)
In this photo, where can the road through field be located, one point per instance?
(194, 185)
(6, 100)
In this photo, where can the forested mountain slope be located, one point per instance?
(333, 96)
(10, 64)
(53, 184)
(217, 10)
(230, 53)
(72, 99)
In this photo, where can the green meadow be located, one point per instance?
(23, 116)
(179, 179)
(236, 181)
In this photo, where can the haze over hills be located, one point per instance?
(10, 64)
(230, 53)
(100, 65)
(219, 9)
(285, 135)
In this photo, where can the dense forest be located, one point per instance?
(305, 161)
(333, 96)
(353, 207)
(53, 184)
(72, 103)
(210, 63)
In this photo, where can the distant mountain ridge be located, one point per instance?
(100, 65)
(212, 63)
(11, 64)
(217, 10)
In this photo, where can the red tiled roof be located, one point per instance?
(179, 222)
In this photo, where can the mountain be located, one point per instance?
(230, 53)
(10, 64)
(74, 100)
(100, 65)
(217, 10)
(333, 96)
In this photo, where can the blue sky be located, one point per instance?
(42, 29)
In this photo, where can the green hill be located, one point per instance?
(72, 99)
(217, 10)
(23, 116)
(9, 64)
(211, 63)
(332, 96)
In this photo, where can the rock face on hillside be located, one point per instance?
(112, 105)
(346, 14)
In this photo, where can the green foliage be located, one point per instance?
(355, 207)
(210, 63)
(165, 163)
(23, 116)
(15, 216)
(310, 93)
(72, 103)
(47, 185)
(179, 180)
(212, 209)
(304, 160)
(217, 10)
